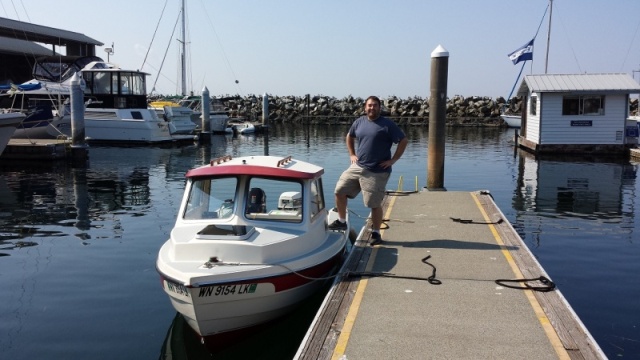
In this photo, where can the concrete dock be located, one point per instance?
(429, 291)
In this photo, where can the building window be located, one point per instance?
(534, 105)
(593, 105)
(583, 105)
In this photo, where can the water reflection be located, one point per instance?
(583, 194)
(43, 200)
(578, 187)
(31, 200)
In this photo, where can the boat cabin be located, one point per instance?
(115, 88)
(577, 113)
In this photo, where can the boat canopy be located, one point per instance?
(61, 68)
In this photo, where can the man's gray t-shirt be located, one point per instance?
(375, 139)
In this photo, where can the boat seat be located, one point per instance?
(257, 201)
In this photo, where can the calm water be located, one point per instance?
(78, 246)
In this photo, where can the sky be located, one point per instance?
(348, 47)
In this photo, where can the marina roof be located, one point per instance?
(16, 46)
(44, 34)
(610, 83)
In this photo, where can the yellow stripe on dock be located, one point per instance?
(556, 343)
(350, 319)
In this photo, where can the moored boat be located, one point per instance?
(512, 121)
(8, 124)
(115, 101)
(42, 99)
(178, 116)
(42, 123)
(116, 110)
(246, 128)
(218, 116)
(251, 241)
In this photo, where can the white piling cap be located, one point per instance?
(75, 79)
(439, 52)
(205, 89)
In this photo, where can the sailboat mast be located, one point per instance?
(546, 61)
(183, 66)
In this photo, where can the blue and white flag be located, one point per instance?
(524, 53)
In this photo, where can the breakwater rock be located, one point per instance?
(320, 109)
(461, 111)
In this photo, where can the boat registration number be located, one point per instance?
(225, 290)
(176, 288)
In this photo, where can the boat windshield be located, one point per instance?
(211, 198)
(115, 82)
(264, 199)
(274, 200)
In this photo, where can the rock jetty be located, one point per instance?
(319, 109)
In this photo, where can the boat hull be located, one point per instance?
(8, 124)
(246, 129)
(178, 117)
(127, 125)
(49, 128)
(513, 121)
(218, 122)
(238, 306)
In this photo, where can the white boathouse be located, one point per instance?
(577, 113)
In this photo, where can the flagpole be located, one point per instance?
(518, 78)
(546, 61)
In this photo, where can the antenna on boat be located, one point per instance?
(110, 51)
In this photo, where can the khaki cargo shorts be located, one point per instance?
(373, 185)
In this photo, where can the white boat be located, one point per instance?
(42, 101)
(250, 242)
(117, 111)
(43, 124)
(218, 116)
(8, 124)
(512, 121)
(178, 117)
(115, 99)
(246, 128)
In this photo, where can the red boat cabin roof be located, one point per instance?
(270, 166)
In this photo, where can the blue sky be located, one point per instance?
(348, 47)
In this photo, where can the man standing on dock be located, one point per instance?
(370, 165)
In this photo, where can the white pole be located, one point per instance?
(77, 112)
(206, 110)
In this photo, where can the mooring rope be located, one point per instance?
(547, 285)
